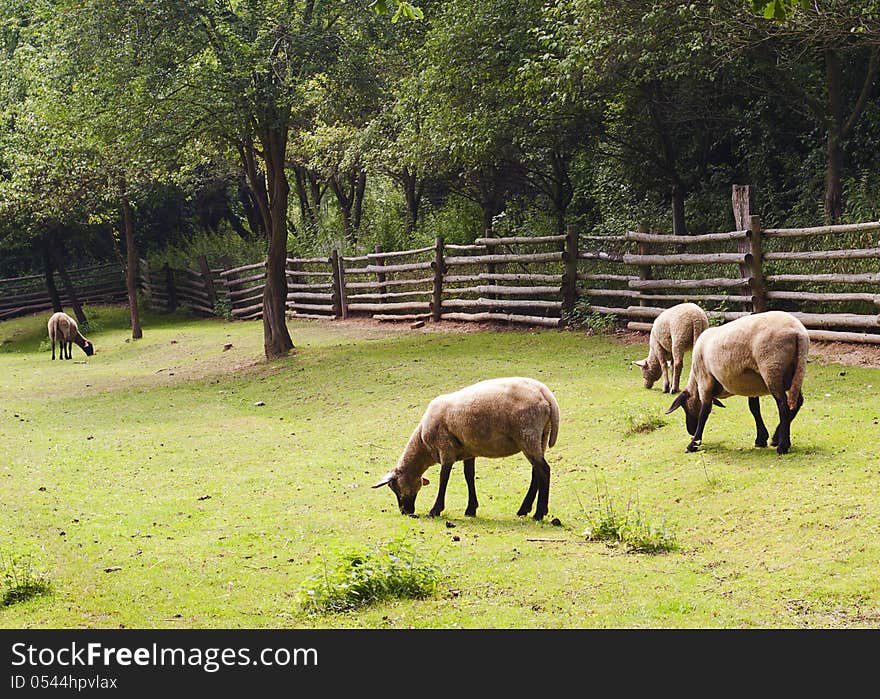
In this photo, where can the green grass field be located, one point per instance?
(154, 492)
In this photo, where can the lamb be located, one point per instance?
(674, 332)
(751, 356)
(492, 418)
(64, 329)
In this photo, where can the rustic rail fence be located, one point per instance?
(536, 280)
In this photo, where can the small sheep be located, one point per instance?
(673, 333)
(751, 356)
(63, 328)
(493, 418)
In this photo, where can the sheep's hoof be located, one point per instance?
(538, 517)
(470, 513)
(761, 442)
(434, 513)
(692, 447)
(783, 448)
(522, 513)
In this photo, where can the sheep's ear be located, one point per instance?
(386, 479)
(678, 402)
(717, 402)
(425, 481)
(640, 363)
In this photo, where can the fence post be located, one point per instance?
(569, 276)
(741, 199)
(343, 292)
(172, 290)
(380, 276)
(337, 286)
(209, 280)
(439, 266)
(644, 270)
(756, 279)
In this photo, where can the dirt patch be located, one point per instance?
(846, 353)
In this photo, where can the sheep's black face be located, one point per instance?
(691, 407)
(405, 501)
(89, 349)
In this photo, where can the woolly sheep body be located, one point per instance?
(493, 418)
(673, 333)
(64, 330)
(760, 354)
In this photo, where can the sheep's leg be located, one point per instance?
(664, 358)
(755, 408)
(53, 349)
(677, 365)
(782, 435)
(440, 502)
(469, 477)
(539, 486)
(793, 413)
(705, 409)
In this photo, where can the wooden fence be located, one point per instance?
(541, 281)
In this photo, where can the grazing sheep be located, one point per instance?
(493, 418)
(673, 333)
(63, 328)
(751, 356)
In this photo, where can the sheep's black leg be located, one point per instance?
(755, 408)
(526, 506)
(440, 502)
(782, 435)
(469, 478)
(705, 409)
(775, 441)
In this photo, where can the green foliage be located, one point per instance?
(629, 528)
(93, 322)
(20, 580)
(581, 317)
(223, 308)
(364, 577)
(643, 421)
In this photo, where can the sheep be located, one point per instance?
(674, 332)
(64, 329)
(492, 418)
(751, 356)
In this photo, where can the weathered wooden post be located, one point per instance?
(439, 266)
(756, 264)
(172, 290)
(343, 292)
(569, 276)
(337, 286)
(209, 280)
(380, 276)
(742, 198)
(644, 270)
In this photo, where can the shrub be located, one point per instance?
(363, 577)
(580, 317)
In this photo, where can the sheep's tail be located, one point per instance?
(803, 348)
(554, 415)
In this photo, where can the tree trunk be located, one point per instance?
(360, 188)
(679, 227)
(272, 196)
(58, 260)
(131, 265)
(834, 163)
(305, 207)
(50, 279)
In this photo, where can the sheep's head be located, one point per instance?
(405, 486)
(88, 348)
(692, 406)
(651, 371)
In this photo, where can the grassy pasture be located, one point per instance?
(155, 492)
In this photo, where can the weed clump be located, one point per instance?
(360, 578)
(629, 528)
(20, 582)
(643, 422)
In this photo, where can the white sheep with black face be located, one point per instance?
(751, 356)
(493, 418)
(673, 333)
(64, 330)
